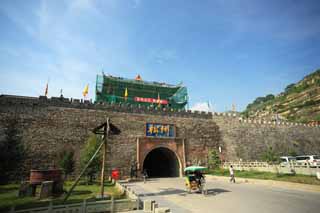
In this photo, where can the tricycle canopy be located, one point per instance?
(191, 169)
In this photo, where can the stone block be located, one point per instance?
(46, 189)
(162, 210)
(154, 206)
(25, 189)
(147, 205)
(57, 187)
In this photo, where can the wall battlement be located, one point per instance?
(233, 116)
(127, 108)
(86, 104)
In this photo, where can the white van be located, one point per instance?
(286, 160)
(311, 160)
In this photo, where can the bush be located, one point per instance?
(270, 155)
(66, 161)
(12, 153)
(214, 160)
(86, 154)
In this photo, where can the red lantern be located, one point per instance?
(115, 174)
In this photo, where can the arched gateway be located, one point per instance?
(161, 157)
(161, 162)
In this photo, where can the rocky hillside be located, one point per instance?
(299, 102)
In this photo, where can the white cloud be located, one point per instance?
(201, 106)
(65, 61)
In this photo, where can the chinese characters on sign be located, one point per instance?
(151, 100)
(159, 130)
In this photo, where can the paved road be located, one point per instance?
(226, 197)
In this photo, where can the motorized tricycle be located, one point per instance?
(195, 179)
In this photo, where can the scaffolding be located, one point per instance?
(138, 92)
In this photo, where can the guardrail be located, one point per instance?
(85, 207)
(112, 205)
(293, 167)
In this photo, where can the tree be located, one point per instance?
(289, 87)
(12, 152)
(292, 152)
(86, 154)
(269, 97)
(270, 155)
(214, 160)
(66, 161)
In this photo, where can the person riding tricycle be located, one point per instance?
(195, 179)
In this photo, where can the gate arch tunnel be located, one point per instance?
(161, 162)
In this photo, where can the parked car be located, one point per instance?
(311, 160)
(286, 160)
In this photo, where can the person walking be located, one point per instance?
(145, 175)
(232, 179)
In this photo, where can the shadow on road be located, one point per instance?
(216, 191)
(164, 191)
(173, 191)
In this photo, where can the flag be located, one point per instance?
(126, 94)
(46, 90)
(85, 90)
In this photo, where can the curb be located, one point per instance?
(273, 183)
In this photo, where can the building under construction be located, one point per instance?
(112, 89)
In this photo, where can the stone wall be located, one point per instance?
(248, 140)
(49, 125)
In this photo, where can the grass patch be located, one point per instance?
(297, 178)
(8, 195)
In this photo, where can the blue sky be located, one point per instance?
(225, 51)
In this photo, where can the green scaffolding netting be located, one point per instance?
(112, 89)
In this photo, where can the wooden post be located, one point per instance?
(84, 206)
(50, 207)
(12, 209)
(138, 155)
(112, 204)
(137, 204)
(104, 150)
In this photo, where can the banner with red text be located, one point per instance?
(150, 100)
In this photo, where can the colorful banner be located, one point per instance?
(160, 130)
(150, 100)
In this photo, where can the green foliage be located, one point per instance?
(292, 152)
(258, 102)
(270, 155)
(245, 114)
(12, 153)
(298, 88)
(66, 161)
(269, 97)
(86, 154)
(214, 160)
(289, 87)
(263, 99)
(317, 117)
(309, 103)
